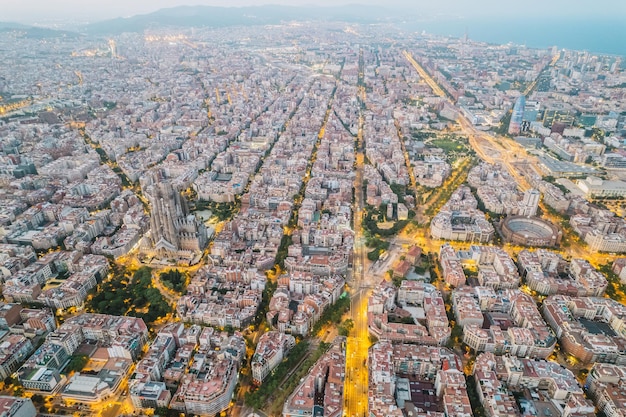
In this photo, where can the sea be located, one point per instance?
(595, 35)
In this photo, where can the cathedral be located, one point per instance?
(174, 231)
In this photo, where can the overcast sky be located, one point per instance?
(29, 11)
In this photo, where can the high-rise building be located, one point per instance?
(174, 231)
(518, 116)
(531, 202)
(113, 48)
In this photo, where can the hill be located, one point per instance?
(35, 32)
(209, 16)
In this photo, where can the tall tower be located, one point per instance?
(530, 202)
(113, 48)
(518, 116)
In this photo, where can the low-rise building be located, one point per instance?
(590, 328)
(420, 316)
(539, 382)
(548, 273)
(40, 379)
(321, 391)
(120, 337)
(89, 388)
(460, 219)
(204, 371)
(595, 187)
(606, 385)
(619, 267)
(150, 395)
(436, 386)
(451, 267)
(14, 349)
(310, 295)
(431, 172)
(16, 407)
(273, 346)
(511, 323)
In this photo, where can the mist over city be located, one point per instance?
(68, 10)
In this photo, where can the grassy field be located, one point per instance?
(448, 145)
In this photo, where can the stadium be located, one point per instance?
(530, 231)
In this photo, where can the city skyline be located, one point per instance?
(309, 218)
(39, 11)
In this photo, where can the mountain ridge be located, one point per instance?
(214, 16)
(35, 32)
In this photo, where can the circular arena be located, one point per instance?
(530, 231)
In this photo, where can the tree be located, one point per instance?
(129, 296)
(373, 255)
(9, 380)
(166, 412)
(174, 280)
(37, 399)
(332, 314)
(77, 363)
(456, 336)
(346, 327)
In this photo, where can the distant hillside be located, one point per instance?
(7, 26)
(208, 16)
(34, 32)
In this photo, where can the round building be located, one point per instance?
(530, 231)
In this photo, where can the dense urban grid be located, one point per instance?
(310, 219)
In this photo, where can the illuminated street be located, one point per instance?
(356, 386)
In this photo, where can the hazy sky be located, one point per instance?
(29, 11)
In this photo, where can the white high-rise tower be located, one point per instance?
(531, 202)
